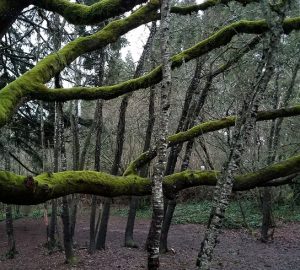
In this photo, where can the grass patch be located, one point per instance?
(198, 213)
(34, 213)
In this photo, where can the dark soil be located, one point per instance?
(237, 248)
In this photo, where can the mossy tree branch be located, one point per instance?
(218, 39)
(188, 9)
(31, 84)
(80, 14)
(33, 80)
(17, 189)
(207, 127)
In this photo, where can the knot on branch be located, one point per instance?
(30, 184)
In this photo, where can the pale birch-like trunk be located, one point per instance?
(241, 135)
(160, 166)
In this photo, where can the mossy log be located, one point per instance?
(17, 189)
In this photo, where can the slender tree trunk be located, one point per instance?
(241, 134)
(53, 230)
(44, 165)
(66, 219)
(273, 144)
(98, 122)
(195, 100)
(166, 225)
(53, 241)
(11, 251)
(120, 143)
(76, 164)
(159, 169)
(134, 201)
(149, 131)
(99, 126)
(129, 242)
(193, 104)
(10, 254)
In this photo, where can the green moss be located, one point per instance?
(281, 169)
(14, 189)
(207, 127)
(31, 83)
(80, 14)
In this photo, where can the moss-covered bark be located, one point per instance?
(188, 9)
(31, 84)
(218, 39)
(207, 127)
(80, 14)
(19, 189)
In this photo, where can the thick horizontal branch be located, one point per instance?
(31, 84)
(220, 38)
(188, 9)
(207, 127)
(33, 80)
(16, 189)
(229, 121)
(81, 14)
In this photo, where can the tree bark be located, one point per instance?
(159, 169)
(134, 201)
(241, 135)
(11, 252)
(98, 122)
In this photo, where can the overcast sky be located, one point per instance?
(137, 39)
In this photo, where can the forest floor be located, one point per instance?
(238, 249)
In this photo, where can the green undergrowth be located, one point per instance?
(198, 213)
(34, 213)
(194, 213)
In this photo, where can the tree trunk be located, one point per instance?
(101, 238)
(98, 122)
(66, 220)
(241, 135)
(159, 169)
(99, 125)
(166, 225)
(76, 164)
(273, 144)
(267, 220)
(151, 120)
(10, 254)
(195, 98)
(134, 201)
(129, 242)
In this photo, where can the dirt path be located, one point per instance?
(237, 249)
